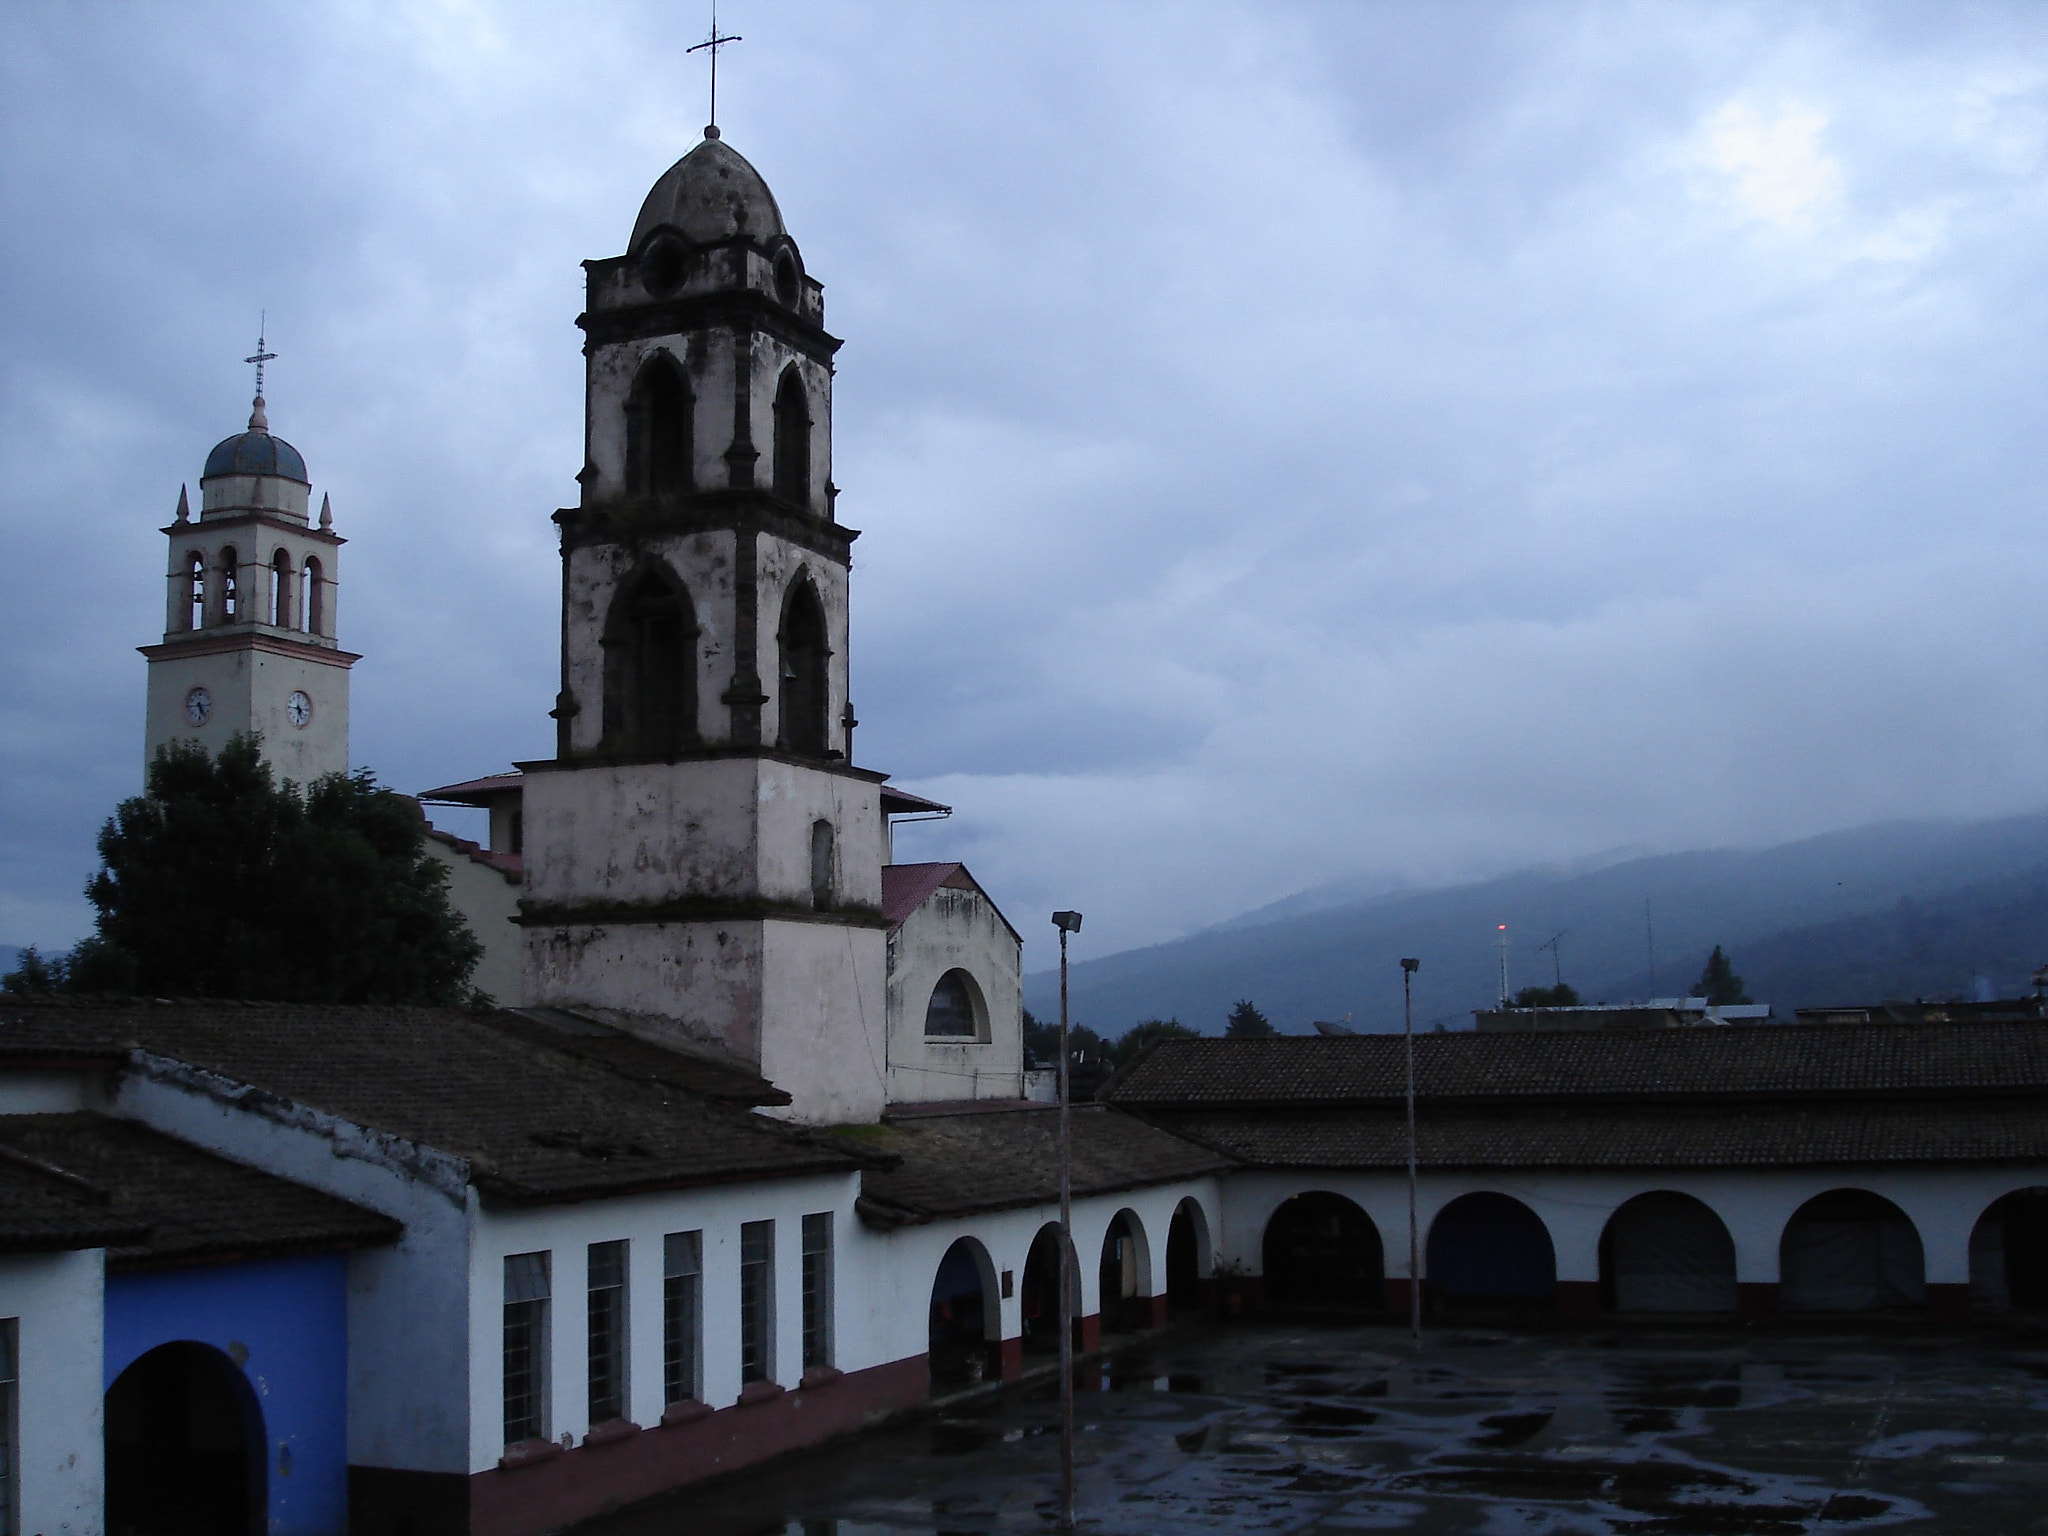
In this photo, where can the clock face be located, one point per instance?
(198, 706)
(298, 708)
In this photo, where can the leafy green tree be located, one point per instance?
(1247, 1023)
(35, 973)
(1718, 983)
(220, 882)
(1563, 995)
(1138, 1036)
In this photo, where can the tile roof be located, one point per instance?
(981, 1159)
(510, 865)
(901, 802)
(1728, 1062)
(159, 1200)
(476, 791)
(906, 887)
(1765, 1134)
(538, 1122)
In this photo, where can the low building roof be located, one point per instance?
(157, 1200)
(958, 1159)
(509, 865)
(1735, 1061)
(537, 1118)
(901, 802)
(1761, 1135)
(481, 792)
(906, 887)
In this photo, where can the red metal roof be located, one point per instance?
(906, 887)
(476, 791)
(510, 865)
(901, 802)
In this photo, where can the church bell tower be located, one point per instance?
(701, 848)
(248, 640)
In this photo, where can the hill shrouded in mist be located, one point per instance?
(1918, 909)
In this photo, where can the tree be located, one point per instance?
(1138, 1036)
(1718, 983)
(35, 973)
(1563, 995)
(1247, 1023)
(220, 882)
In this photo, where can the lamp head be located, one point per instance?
(1067, 922)
(1411, 966)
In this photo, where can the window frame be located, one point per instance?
(536, 1326)
(819, 1290)
(607, 1336)
(682, 1316)
(757, 1302)
(977, 1032)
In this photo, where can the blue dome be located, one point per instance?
(255, 453)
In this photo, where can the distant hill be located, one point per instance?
(1913, 909)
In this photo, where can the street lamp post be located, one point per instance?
(1066, 922)
(1408, 970)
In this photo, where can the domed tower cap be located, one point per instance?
(255, 452)
(710, 194)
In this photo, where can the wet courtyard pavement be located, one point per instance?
(1348, 1429)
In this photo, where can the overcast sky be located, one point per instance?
(1290, 441)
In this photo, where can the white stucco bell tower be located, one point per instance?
(700, 847)
(248, 640)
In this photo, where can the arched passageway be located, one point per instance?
(1667, 1252)
(1125, 1273)
(1040, 1293)
(1850, 1251)
(2009, 1254)
(1490, 1250)
(1321, 1250)
(185, 1447)
(966, 1320)
(1188, 1262)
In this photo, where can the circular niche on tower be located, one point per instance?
(663, 264)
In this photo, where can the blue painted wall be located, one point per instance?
(286, 1321)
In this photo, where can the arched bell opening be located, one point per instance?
(1322, 1251)
(1189, 1260)
(1489, 1252)
(966, 1328)
(185, 1446)
(1040, 1293)
(650, 666)
(792, 473)
(1667, 1252)
(2009, 1255)
(804, 674)
(1850, 1251)
(658, 445)
(1124, 1275)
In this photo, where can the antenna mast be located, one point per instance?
(1501, 941)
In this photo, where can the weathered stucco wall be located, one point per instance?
(956, 930)
(489, 904)
(249, 688)
(822, 1013)
(56, 1301)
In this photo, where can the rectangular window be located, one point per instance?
(607, 1336)
(10, 1427)
(757, 1300)
(818, 1289)
(682, 1315)
(526, 1347)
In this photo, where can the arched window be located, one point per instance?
(658, 430)
(195, 590)
(230, 585)
(316, 598)
(281, 590)
(650, 666)
(804, 672)
(950, 1015)
(792, 440)
(822, 860)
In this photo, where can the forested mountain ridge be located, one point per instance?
(1916, 909)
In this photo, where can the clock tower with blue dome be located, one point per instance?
(248, 640)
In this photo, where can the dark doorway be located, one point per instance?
(1185, 1245)
(963, 1307)
(1850, 1251)
(1041, 1294)
(2009, 1255)
(805, 691)
(1321, 1250)
(650, 667)
(1489, 1251)
(184, 1437)
(1667, 1252)
(1124, 1275)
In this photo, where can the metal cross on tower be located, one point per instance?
(714, 42)
(262, 356)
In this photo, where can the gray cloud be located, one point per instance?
(1289, 442)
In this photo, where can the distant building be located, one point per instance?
(1657, 1013)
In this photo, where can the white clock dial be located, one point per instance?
(298, 708)
(198, 706)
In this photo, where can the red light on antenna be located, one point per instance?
(1503, 927)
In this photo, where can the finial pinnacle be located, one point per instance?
(711, 130)
(258, 421)
(326, 512)
(184, 506)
